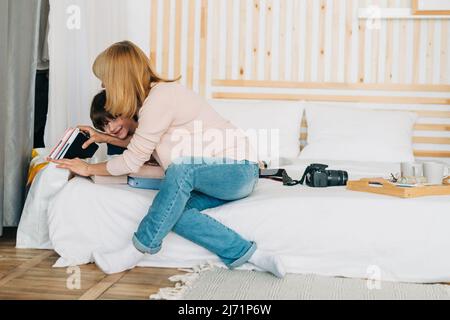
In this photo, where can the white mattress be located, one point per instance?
(329, 231)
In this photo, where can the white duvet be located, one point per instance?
(329, 231)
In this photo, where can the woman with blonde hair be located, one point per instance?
(208, 162)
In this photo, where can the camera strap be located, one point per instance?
(307, 171)
(279, 175)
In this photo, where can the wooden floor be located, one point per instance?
(28, 274)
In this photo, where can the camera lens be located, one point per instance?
(337, 178)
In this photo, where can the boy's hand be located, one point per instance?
(94, 136)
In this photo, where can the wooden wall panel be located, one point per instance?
(406, 52)
(390, 50)
(317, 50)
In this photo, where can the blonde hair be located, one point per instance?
(128, 76)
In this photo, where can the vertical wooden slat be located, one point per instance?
(153, 31)
(321, 60)
(295, 40)
(416, 52)
(430, 50)
(448, 54)
(216, 41)
(242, 38)
(222, 38)
(203, 47)
(166, 38)
(302, 39)
(403, 50)
(389, 47)
(403, 46)
(388, 53)
(190, 44)
(395, 44)
(437, 53)
(375, 49)
(177, 48)
(362, 48)
(268, 49)
(249, 43)
(381, 53)
(256, 31)
(229, 55)
(236, 37)
(328, 41)
(308, 44)
(348, 40)
(444, 76)
(282, 37)
(409, 65)
(335, 42)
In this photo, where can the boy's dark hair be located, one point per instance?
(99, 116)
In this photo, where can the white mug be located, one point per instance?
(411, 169)
(435, 172)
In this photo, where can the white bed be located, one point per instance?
(329, 231)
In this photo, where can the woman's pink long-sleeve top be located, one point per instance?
(175, 122)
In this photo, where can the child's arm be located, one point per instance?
(99, 137)
(123, 143)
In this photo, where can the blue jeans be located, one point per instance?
(190, 187)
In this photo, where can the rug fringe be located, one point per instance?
(183, 282)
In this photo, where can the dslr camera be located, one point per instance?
(317, 176)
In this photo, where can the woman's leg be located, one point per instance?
(223, 182)
(229, 246)
(210, 234)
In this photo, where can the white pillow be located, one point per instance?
(272, 126)
(343, 133)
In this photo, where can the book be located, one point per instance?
(144, 183)
(55, 151)
(148, 177)
(70, 146)
(67, 144)
(110, 179)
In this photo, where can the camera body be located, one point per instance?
(317, 176)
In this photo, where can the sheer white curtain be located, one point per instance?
(79, 31)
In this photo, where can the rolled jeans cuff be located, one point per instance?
(144, 249)
(242, 260)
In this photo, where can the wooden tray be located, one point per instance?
(383, 186)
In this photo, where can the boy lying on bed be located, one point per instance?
(117, 131)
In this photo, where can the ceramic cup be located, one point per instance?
(435, 172)
(411, 169)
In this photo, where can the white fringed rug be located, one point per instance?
(209, 283)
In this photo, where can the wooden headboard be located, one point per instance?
(313, 50)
